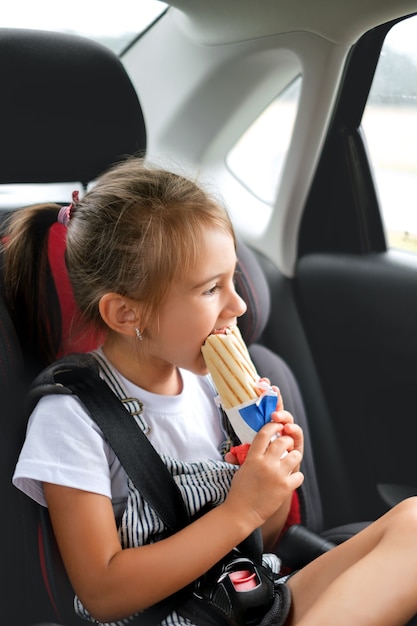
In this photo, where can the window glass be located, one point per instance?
(390, 127)
(115, 25)
(258, 157)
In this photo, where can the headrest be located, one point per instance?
(68, 108)
(252, 286)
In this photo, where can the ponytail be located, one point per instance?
(28, 282)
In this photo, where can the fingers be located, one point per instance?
(280, 403)
(279, 451)
(291, 461)
(295, 479)
(296, 433)
(282, 449)
(282, 417)
(272, 433)
(264, 436)
(263, 385)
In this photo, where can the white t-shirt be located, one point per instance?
(64, 445)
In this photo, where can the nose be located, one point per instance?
(238, 305)
(243, 306)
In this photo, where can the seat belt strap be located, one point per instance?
(79, 375)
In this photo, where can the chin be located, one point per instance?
(200, 368)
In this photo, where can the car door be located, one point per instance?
(353, 302)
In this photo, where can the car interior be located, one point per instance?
(331, 301)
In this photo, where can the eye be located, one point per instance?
(212, 291)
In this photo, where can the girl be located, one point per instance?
(151, 258)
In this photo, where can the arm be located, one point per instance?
(113, 583)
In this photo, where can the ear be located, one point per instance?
(119, 313)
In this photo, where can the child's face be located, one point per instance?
(200, 302)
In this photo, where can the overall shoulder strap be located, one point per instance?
(79, 375)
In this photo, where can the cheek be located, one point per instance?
(179, 333)
(192, 320)
(188, 338)
(191, 336)
(187, 324)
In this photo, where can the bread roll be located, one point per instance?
(228, 361)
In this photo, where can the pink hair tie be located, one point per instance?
(64, 214)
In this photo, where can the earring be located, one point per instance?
(139, 335)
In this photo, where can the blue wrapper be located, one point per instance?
(246, 419)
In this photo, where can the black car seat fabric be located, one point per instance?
(68, 108)
(23, 597)
(11, 433)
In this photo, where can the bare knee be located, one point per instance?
(405, 513)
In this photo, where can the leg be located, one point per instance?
(370, 580)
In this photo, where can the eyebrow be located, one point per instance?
(212, 279)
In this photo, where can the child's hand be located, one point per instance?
(280, 416)
(237, 454)
(268, 476)
(288, 427)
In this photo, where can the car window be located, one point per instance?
(390, 127)
(257, 159)
(116, 29)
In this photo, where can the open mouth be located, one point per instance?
(225, 330)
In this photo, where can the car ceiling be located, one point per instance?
(339, 21)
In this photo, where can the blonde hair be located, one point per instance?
(134, 233)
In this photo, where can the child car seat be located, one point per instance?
(300, 543)
(62, 137)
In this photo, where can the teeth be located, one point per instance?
(228, 361)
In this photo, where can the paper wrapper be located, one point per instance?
(238, 383)
(248, 418)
